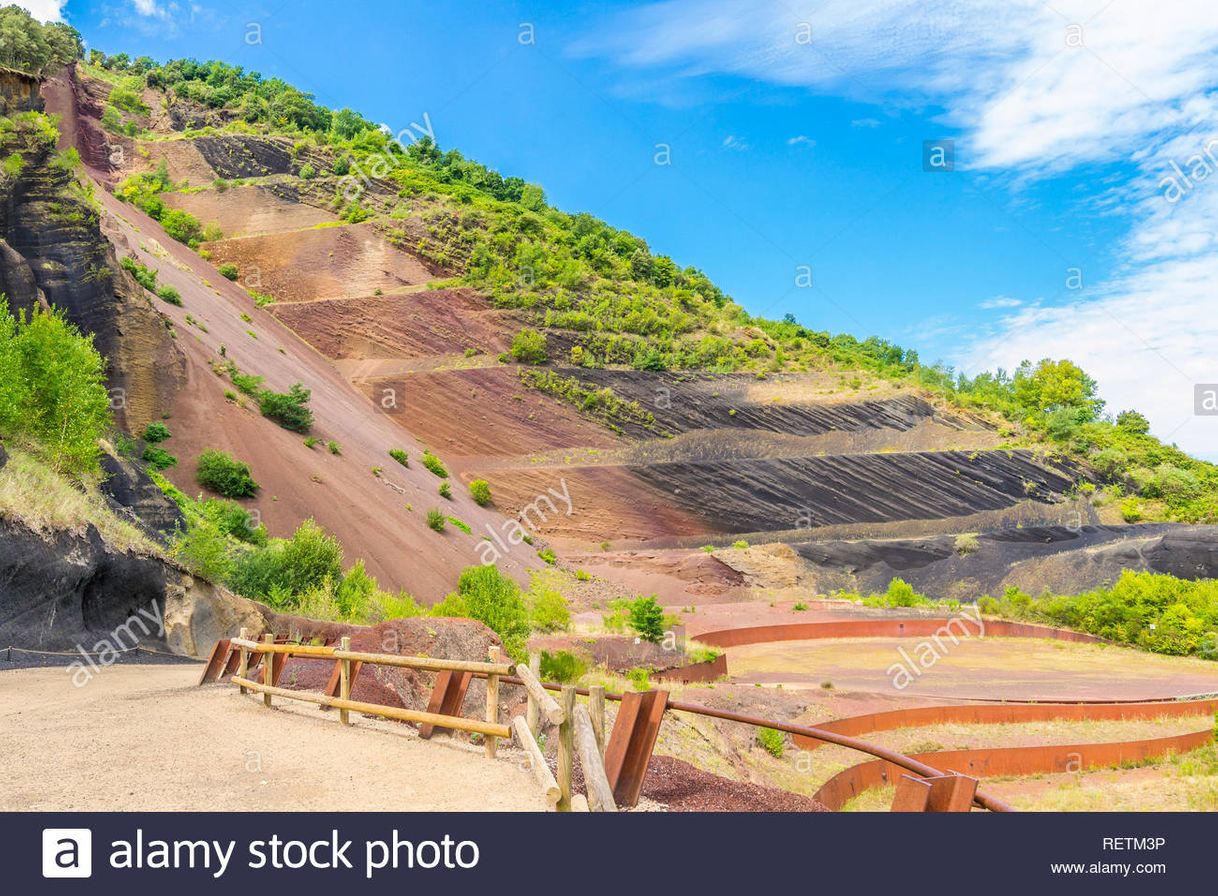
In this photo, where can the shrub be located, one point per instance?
(740, 545)
(966, 544)
(400, 456)
(529, 347)
(480, 491)
(334, 448)
(446, 491)
(290, 410)
(169, 295)
(52, 387)
(435, 520)
(435, 465)
(561, 666)
(771, 741)
(155, 432)
(647, 619)
(548, 611)
(486, 594)
(640, 678)
(225, 475)
(461, 524)
(158, 458)
(286, 569)
(228, 271)
(233, 520)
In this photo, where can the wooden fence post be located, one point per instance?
(492, 705)
(268, 668)
(532, 713)
(566, 747)
(596, 710)
(600, 794)
(344, 682)
(243, 669)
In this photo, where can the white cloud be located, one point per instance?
(1000, 302)
(731, 141)
(150, 8)
(43, 10)
(800, 140)
(1035, 89)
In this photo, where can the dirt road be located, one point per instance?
(142, 737)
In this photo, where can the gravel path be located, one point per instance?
(144, 738)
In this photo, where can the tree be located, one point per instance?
(1133, 422)
(1056, 384)
(529, 347)
(647, 619)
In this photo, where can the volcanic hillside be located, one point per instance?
(364, 296)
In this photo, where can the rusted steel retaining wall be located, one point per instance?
(708, 671)
(1005, 714)
(846, 785)
(959, 627)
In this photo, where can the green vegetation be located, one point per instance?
(601, 403)
(30, 46)
(225, 475)
(228, 271)
(435, 519)
(529, 347)
(435, 465)
(52, 389)
(562, 666)
(548, 610)
(1159, 613)
(486, 594)
(155, 432)
(548, 556)
(169, 294)
(400, 456)
(334, 448)
(144, 192)
(460, 524)
(158, 458)
(480, 491)
(445, 491)
(647, 619)
(290, 410)
(771, 741)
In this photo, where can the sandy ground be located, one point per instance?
(986, 668)
(144, 738)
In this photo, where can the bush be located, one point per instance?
(155, 432)
(480, 491)
(647, 619)
(400, 456)
(771, 741)
(561, 666)
(225, 475)
(158, 458)
(640, 678)
(548, 610)
(52, 388)
(435, 465)
(169, 295)
(334, 448)
(233, 520)
(286, 569)
(446, 491)
(290, 410)
(486, 594)
(435, 520)
(529, 347)
(228, 271)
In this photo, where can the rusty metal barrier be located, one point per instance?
(917, 627)
(1005, 714)
(1003, 761)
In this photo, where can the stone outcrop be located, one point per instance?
(18, 92)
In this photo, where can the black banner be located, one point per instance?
(635, 853)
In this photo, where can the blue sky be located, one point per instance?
(796, 137)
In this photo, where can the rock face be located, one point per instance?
(18, 92)
(53, 253)
(69, 590)
(133, 495)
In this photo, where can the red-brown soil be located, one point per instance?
(330, 262)
(247, 210)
